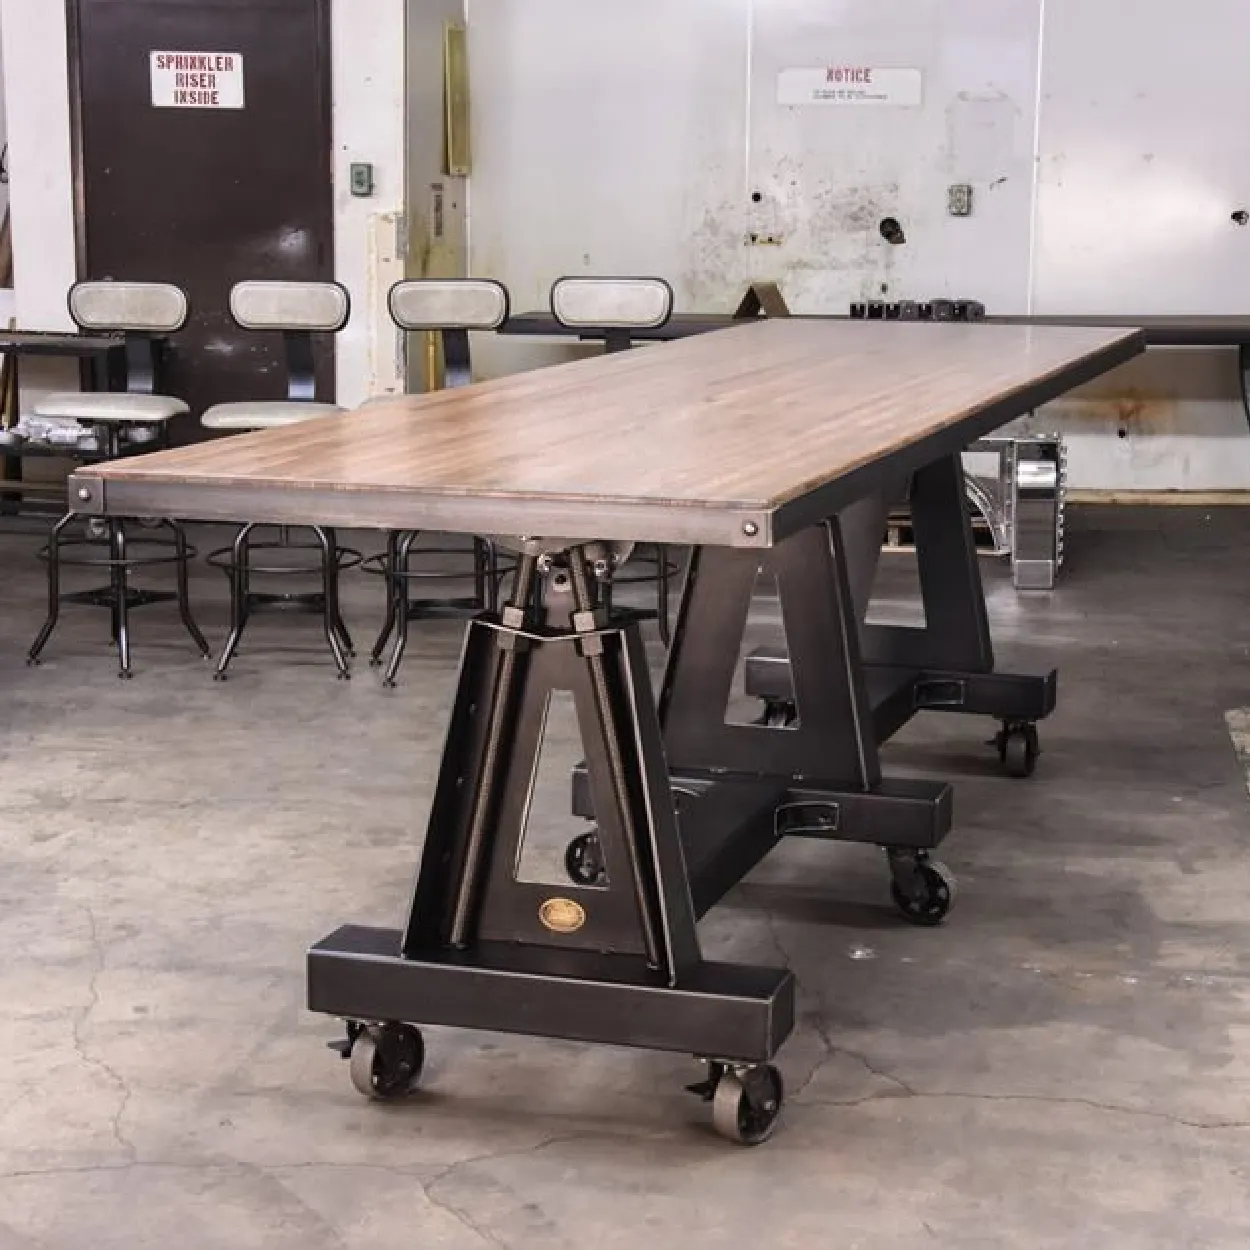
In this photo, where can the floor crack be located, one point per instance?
(80, 1047)
(1056, 1100)
(458, 1213)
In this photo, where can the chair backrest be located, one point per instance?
(450, 308)
(299, 307)
(454, 304)
(299, 310)
(614, 305)
(140, 307)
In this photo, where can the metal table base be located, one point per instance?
(684, 803)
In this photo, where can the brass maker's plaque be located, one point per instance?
(562, 915)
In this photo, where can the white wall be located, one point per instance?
(368, 126)
(36, 93)
(1104, 140)
(369, 88)
(1143, 159)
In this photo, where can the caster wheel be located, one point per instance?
(1018, 749)
(386, 1060)
(583, 861)
(747, 1104)
(929, 895)
(778, 715)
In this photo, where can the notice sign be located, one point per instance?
(197, 80)
(851, 84)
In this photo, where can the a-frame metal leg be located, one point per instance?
(823, 763)
(956, 633)
(613, 960)
(948, 664)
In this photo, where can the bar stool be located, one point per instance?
(124, 421)
(449, 309)
(296, 310)
(618, 308)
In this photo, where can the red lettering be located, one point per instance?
(215, 99)
(848, 73)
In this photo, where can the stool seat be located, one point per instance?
(256, 415)
(110, 406)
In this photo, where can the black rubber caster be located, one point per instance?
(583, 861)
(778, 714)
(1018, 749)
(925, 893)
(747, 1102)
(386, 1060)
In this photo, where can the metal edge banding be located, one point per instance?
(818, 505)
(725, 525)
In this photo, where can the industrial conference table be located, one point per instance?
(774, 447)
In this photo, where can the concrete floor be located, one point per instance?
(1065, 1063)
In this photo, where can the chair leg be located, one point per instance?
(121, 594)
(403, 556)
(388, 572)
(330, 585)
(340, 625)
(661, 553)
(239, 587)
(184, 589)
(54, 590)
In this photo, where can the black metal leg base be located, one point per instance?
(239, 562)
(118, 596)
(616, 959)
(1017, 700)
(731, 1012)
(104, 597)
(728, 824)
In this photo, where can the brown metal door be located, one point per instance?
(197, 190)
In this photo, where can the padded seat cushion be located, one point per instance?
(264, 416)
(110, 406)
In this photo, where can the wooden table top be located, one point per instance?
(736, 438)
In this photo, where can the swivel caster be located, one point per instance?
(583, 861)
(386, 1059)
(923, 891)
(746, 1101)
(1018, 748)
(778, 714)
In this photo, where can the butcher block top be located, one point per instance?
(736, 438)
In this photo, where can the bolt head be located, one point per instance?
(750, 529)
(84, 493)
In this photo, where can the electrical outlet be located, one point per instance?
(362, 179)
(959, 199)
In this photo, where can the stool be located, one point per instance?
(450, 310)
(618, 308)
(297, 310)
(146, 312)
